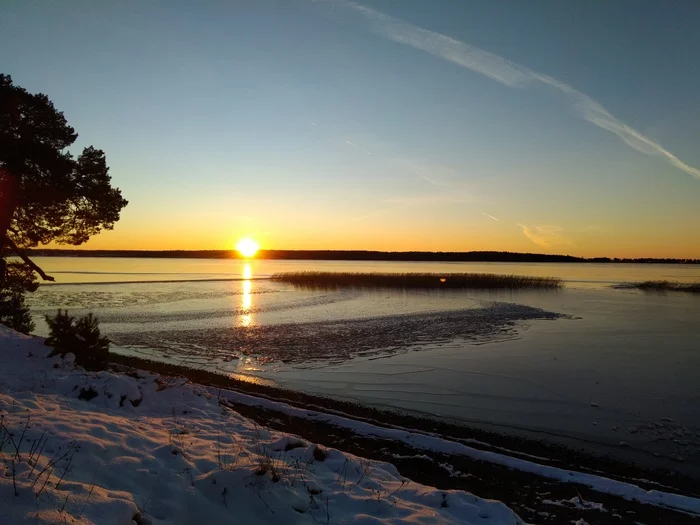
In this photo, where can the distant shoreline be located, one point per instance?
(357, 255)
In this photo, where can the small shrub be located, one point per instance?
(79, 336)
(18, 280)
(62, 329)
(14, 313)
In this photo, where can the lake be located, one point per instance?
(588, 365)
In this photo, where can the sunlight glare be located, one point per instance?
(247, 247)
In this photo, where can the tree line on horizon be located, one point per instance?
(360, 255)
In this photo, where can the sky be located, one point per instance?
(553, 127)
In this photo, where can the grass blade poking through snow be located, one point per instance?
(416, 280)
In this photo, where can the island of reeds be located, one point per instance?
(662, 286)
(312, 279)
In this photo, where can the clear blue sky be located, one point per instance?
(547, 126)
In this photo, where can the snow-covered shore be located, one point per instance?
(108, 448)
(431, 443)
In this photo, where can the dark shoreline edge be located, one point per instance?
(547, 453)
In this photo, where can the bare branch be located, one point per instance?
(27, 260)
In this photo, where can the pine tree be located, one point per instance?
(80, 336)
(46, 194)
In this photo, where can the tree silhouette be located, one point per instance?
(46, 194)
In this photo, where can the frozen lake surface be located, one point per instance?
(589, 364)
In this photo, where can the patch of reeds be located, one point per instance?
(416, 280)
(662, 286)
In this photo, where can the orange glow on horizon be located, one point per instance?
(639, 240)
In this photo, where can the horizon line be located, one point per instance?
(234, 254)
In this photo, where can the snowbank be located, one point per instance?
(105, 448)
(433, 443)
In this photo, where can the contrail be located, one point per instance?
(358, 147)
(490, 216)
(512, 75)
(428, 179)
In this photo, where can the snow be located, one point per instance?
(433, 443)
(455, 473)
(576, 503)
(106, 448)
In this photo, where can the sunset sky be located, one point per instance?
(558, 127)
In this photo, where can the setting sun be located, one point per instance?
(247, 247)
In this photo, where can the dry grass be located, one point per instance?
(662, 286)
(416, 280)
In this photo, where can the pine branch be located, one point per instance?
(27, 260)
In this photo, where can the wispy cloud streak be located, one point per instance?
(546, 236)
(358, 147)
(431, 199)
(491, 216)
(422, 171)
(512, 75)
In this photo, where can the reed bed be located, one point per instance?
(662, 286)
(416, 280)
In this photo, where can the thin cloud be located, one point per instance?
(546, 236)
(428, 200)
(428, 179)
(434, 174)
(358, 147)
(512, 75)
(491, 216)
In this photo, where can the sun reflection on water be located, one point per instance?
(246, 317)
(252, 379)
(247, 301)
